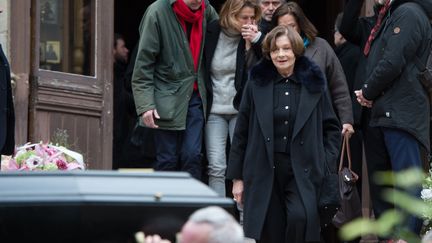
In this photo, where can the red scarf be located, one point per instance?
(185, 14)
(377, 26)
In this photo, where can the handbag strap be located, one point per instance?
(345, 147)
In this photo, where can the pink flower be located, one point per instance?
(13, 165)
(43, 157)
(62, 165)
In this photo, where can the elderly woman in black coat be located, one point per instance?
(286, 132)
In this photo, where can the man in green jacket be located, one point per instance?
(168, 80)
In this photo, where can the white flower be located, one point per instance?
(426, 194)
(33, 162)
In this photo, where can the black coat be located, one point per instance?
(315, 141)
(400, 101)
(356, 30)
(349, 56)
(7, 115)
(137, 147)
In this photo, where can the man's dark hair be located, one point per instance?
(117, 37)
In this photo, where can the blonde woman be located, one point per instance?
(228, 54)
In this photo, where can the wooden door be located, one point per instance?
(20, 64)
(71, 76)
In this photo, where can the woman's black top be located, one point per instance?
(285, 102)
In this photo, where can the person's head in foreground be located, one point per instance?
(207, 225)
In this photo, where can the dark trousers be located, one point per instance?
(286, 217)
(404, 151)
(389, 149)
(181, 150)
(378, 160)
(356, 146)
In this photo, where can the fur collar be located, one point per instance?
(306, 71)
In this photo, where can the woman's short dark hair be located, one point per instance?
(292, 8)
(269, 43)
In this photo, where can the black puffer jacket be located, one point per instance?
(399, 98)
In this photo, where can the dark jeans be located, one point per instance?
(390, 150)
(404, 152)
(181, 150)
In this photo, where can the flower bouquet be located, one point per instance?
(43, 157)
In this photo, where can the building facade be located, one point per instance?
(61, 54)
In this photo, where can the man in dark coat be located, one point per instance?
(138, 147)
(7, 115)
(392, 89)
(121, 55)
(356, 30)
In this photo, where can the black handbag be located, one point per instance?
(329, 199)
(350, 204)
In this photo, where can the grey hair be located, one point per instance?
(427, 238)
(225, 227)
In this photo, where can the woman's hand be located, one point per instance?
(237, 191)
(347, 129)
(249, 32)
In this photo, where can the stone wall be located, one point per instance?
(4, 25)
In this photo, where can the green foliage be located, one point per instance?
(403, 179)
(389, 224)
(362, 226)
(21, 158)
(410, 204)
(427, 183)
(50, 167)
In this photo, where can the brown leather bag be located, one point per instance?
(350, 204)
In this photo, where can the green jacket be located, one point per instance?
(164, 71)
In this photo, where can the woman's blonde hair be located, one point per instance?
(306, 27)
(231, 8)
(269, 43)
